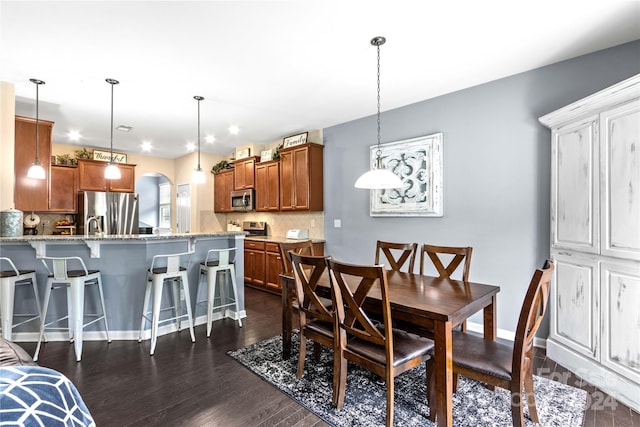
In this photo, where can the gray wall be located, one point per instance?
(496, 171)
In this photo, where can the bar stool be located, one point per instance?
(157, 276)
(9, 280)
(211, 267)
(74, 282)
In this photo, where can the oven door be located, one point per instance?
(242, 200)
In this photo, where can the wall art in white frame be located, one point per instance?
(419, 164)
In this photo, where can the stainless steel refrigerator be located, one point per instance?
(109, 213)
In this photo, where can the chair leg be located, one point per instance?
(187, 302)
(177, 305)
(7, 295)
(234, 289)
(517, 408)
(70, 313)
(147, 296)
(530, 397)
(390, 394)
(211, 294)
(339, 378)
(156, 289)
(104, 310)
(302, 354)
(77, 308)
(317, 351)
(43, 317)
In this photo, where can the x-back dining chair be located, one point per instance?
(303, 247)
(316, 319)
(379, 348)
(397, 254)
(509, 366)
(438, 256)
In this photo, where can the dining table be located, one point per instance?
(433, 303)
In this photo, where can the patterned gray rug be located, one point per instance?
(365, 400)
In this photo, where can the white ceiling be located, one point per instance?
(274, 68)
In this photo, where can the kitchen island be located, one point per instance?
(123, 261)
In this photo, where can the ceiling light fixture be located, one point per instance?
(36, 171)
(233, 130)
(378, 177)
(112, 171)
(198, 174)
(74, 135)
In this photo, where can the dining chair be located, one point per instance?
(378, 347)
(397, 254)
(220, 261)
(71, 274)
(316, 319)
(438, 256)
(303, 247)
(509, 366)
(169, 269)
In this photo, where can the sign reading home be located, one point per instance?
(105, 156)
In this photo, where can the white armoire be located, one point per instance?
(595, 239)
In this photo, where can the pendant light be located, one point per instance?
(112, 171)
(198, 174)
(378, 177)
(36, 171)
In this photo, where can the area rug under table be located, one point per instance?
(365, 399)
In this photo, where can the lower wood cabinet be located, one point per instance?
(263, 264)
(254, 260)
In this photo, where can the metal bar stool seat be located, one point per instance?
(9, 280)
(74, 281)
(211, 267)
(157, 275)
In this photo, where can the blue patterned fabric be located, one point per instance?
(37, 396)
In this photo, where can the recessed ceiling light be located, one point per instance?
(74, 135)
(191, 146)
(124, 128)
(233, 130)
(146, 146)
(210, 139)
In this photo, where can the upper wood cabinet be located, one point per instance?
(31, 194)
(244, 175)
(63, 189)
(222, 187)
(91, 177)
(301, 178)
(268, 186)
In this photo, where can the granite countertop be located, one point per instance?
(112, 237)
(281, 239)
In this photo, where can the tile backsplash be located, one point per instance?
(278, 222)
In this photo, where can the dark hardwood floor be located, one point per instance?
(197, 384)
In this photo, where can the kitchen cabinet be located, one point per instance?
(263, 264)
(91, 177)
(268, 186)
(31, 194)
(595, 239)
(63, 189)
(222, 187)
(254, 262)
(301, 178)
(244, 173)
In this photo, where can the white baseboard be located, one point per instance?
(125, 335)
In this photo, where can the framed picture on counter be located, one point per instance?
(244, 153)
(419, 163)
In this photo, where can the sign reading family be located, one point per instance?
(292, 140)
(105, 156)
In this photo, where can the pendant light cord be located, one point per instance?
(379, 152)
(111, 155)
(37, 162)
(198, 134)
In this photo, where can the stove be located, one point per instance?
(255, 228)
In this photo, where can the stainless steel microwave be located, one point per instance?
(243, 200)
